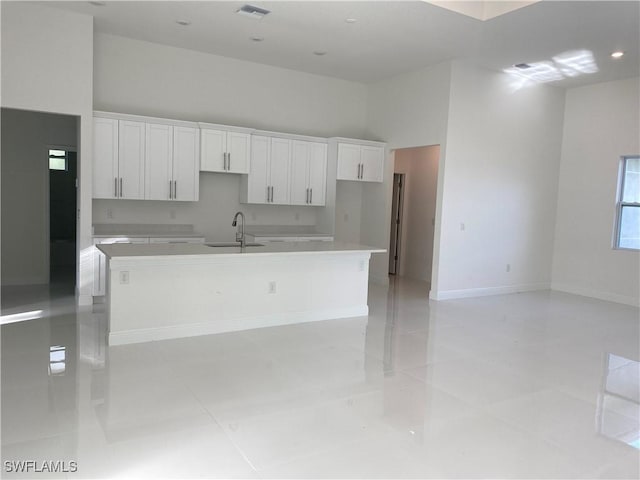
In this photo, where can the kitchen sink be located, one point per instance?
(233, 244)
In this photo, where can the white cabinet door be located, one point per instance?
(348, 161)
(158, 162)
(258, 188)
(372, 159)
(131, 147)
(186, 175)
(279, 167)
(213, 148)
(226, 152)
(300, 152)
(105, 158)
(238, 152)
(317, 168)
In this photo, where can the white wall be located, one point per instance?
(420, 166)
(601, 124)
(408, 110)
(47, 65)
(26, 137)
(137, 77)
(500, 180)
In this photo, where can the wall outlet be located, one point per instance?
(272, 287)
(508, 267)
(296, 216)
(124, 278)
(109, 213)
(462, 227)
(172, 214)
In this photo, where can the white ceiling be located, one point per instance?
(389, 37)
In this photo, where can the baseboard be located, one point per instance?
(22, 282)
(586, 292)
(485, 292)
(231, 325)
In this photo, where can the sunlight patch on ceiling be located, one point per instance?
(566, 65)
(481, 9)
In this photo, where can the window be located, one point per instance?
(628, 207)
(57, 160)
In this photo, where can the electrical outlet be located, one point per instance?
(508, 267)
(172, 214)
(296, 216)
(124, 278)
(272, 287)
(462, 227)
(109, 213)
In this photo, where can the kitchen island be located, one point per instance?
(163, 291)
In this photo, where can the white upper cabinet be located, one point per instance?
(131, 150)
(226, 151)
(268, 180)
(158, 162)
(142, 158)
(308, 173)
(361, 163)
(105, 158)
(186, 153)
(118, 159)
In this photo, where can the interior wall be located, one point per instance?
(47, 65)
(26, 137)
(408, 110)
(500, 185)
(601, 125)
(420, 166)
(144, 78)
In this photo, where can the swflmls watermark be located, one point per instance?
(44, 466)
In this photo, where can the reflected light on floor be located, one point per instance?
(20, 317)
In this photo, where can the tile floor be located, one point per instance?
(531, 385)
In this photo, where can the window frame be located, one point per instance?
(620, 203)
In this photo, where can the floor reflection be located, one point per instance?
(503, 387)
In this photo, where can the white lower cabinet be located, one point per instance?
(268, 180)
(100, 261)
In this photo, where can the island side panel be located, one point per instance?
(154, 299)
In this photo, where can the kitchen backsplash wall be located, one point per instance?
(210, 216)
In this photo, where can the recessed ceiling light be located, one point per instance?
(617, 54)
(257, 39)
(98, 4)
(320, 52)
(184, 23)
(252, 11)
(351, 20)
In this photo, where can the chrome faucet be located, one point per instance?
(239, 234)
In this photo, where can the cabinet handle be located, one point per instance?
(271, 193)
(229, 161)
(175, 189)
(170, 197)
(311, 195)
(115, 187)
(267, 193)
(120, 187)
(306, 199)
(226, 158)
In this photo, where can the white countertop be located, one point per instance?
(184, 250)
(284, 231)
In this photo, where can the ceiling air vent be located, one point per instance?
(252, 11)
(522, 66)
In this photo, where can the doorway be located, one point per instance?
(63, 184)
(395, 241)
(413, 212)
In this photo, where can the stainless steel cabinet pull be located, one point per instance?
(120, 187)
(362, 172)
(115, 187)
(271, 193)
(175, 189)
(311, 195)
(170, 196)
(229, 161)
